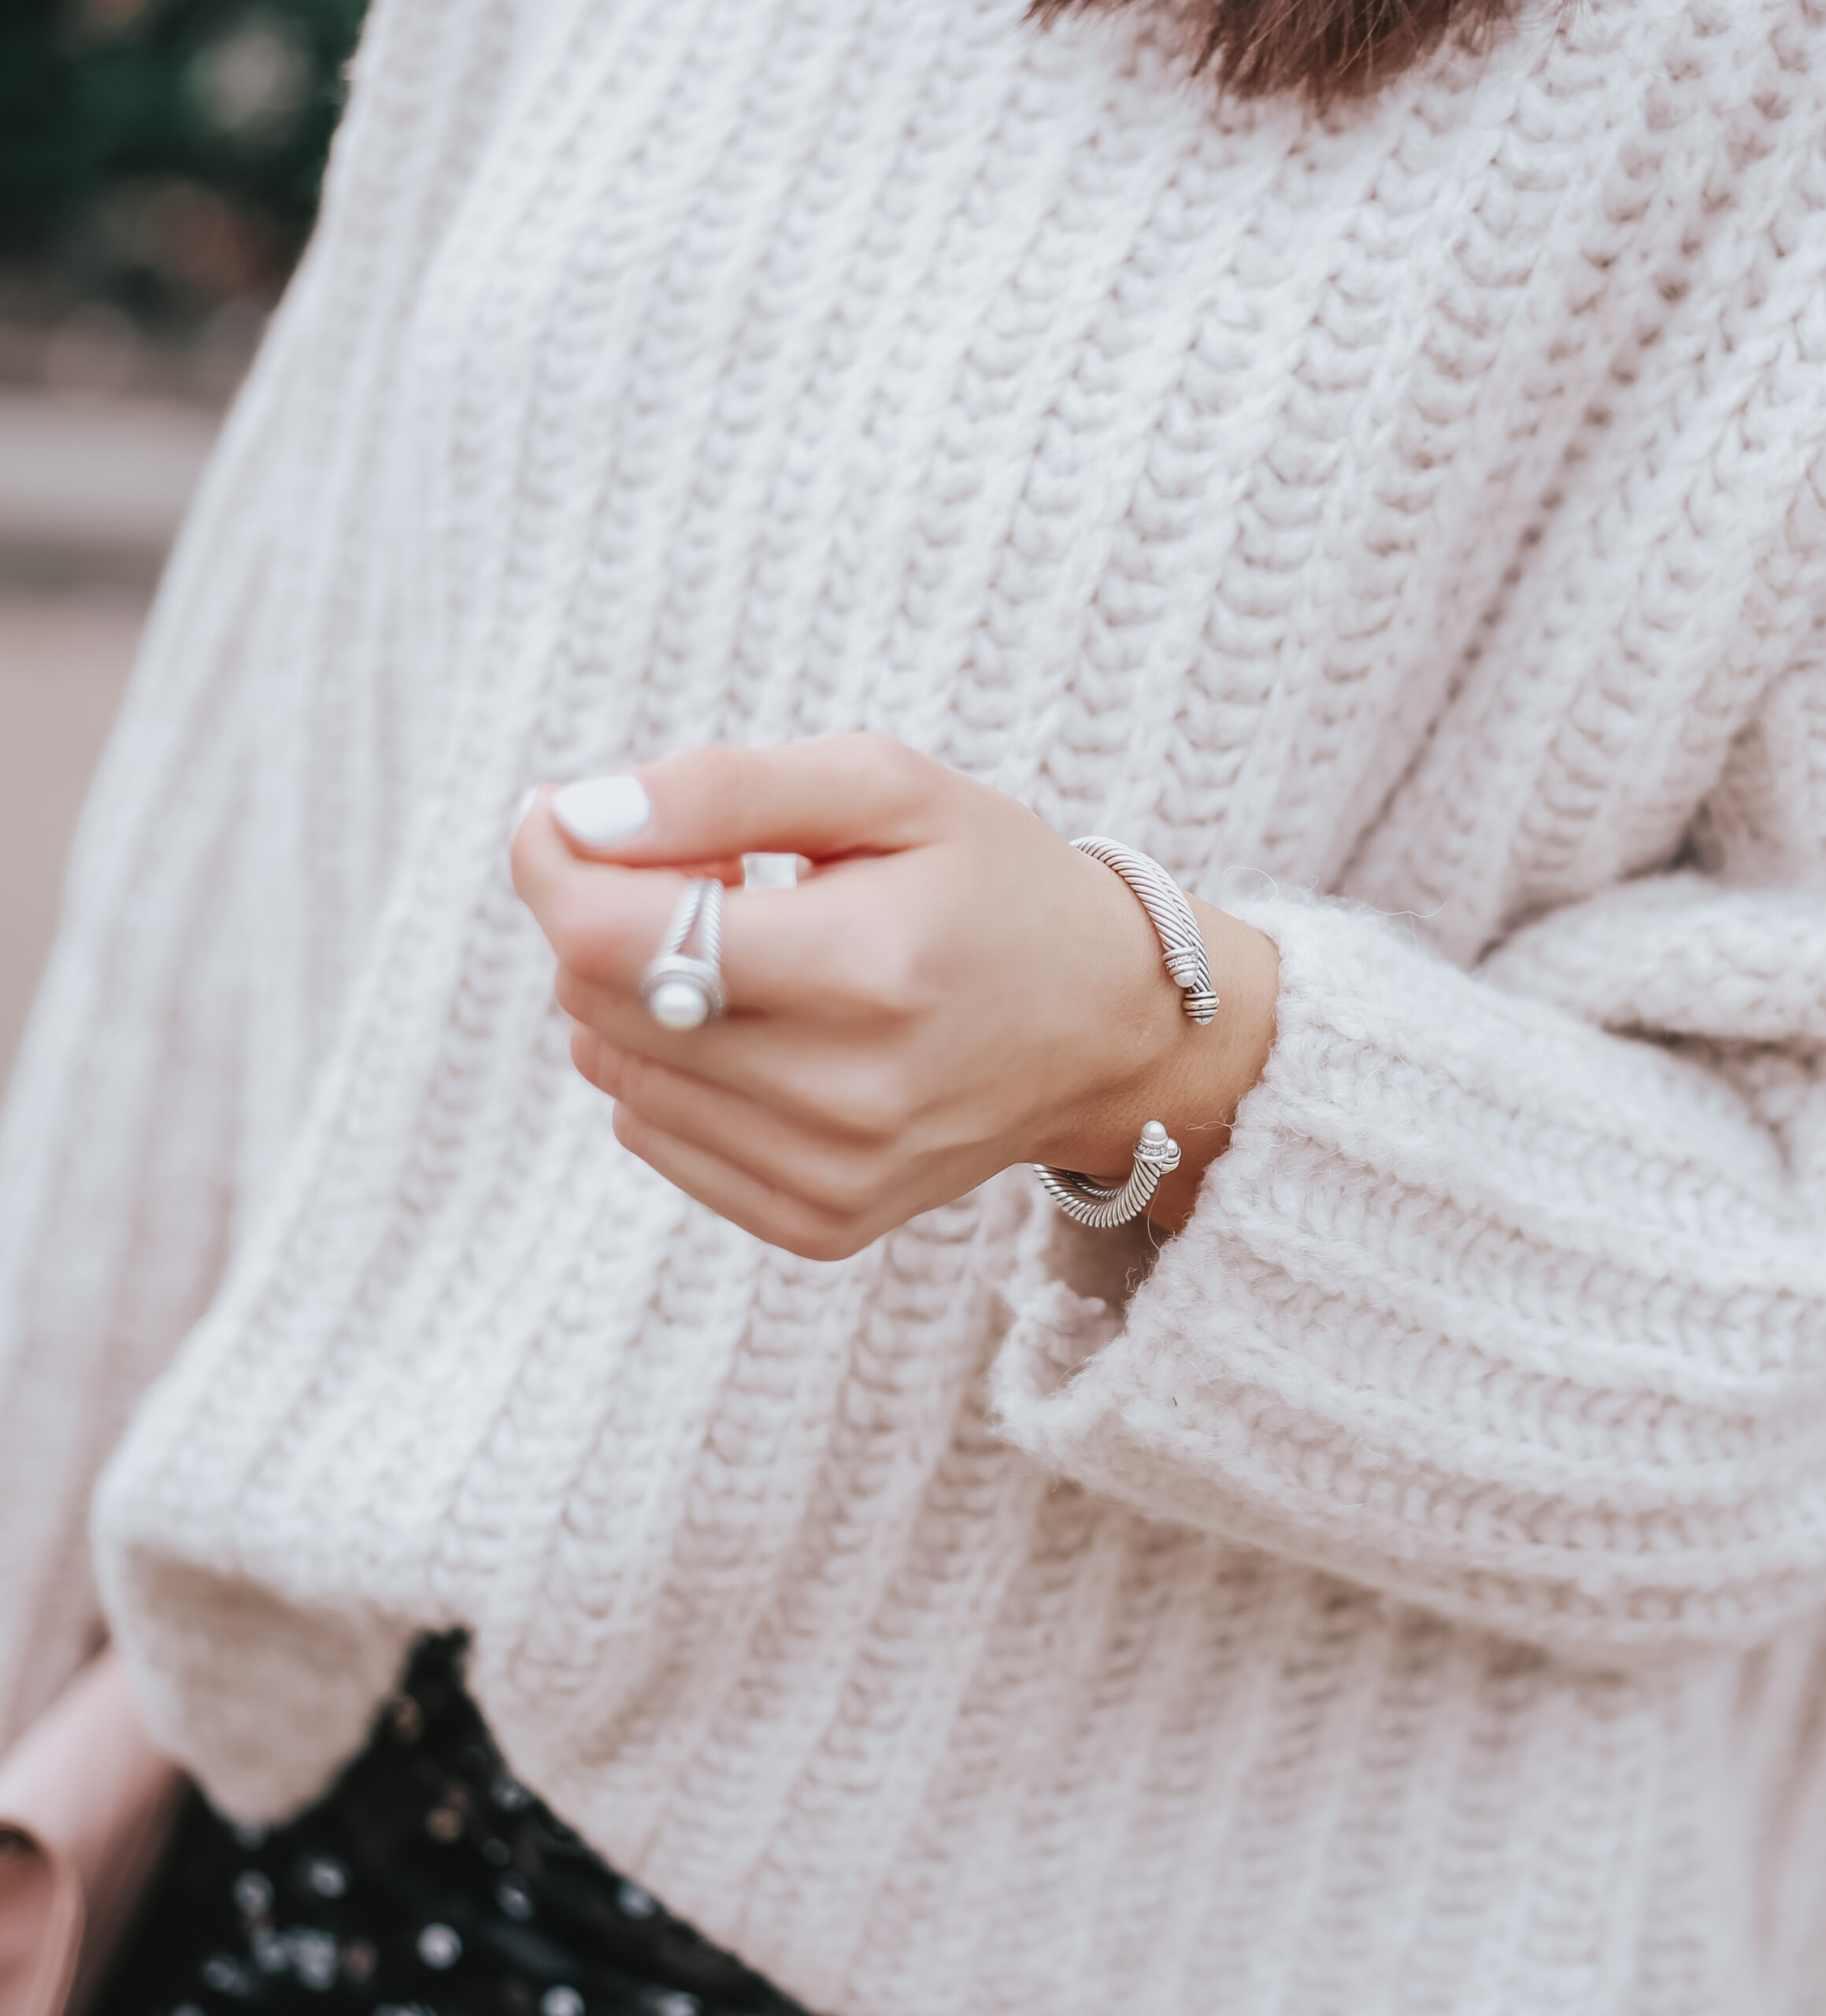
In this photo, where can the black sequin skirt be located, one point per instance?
(426, 1882)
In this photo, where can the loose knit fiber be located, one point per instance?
(1403, 1592)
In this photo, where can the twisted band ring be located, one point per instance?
(682, 992)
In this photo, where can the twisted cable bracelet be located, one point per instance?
(1102, 1206)
(1182, 945)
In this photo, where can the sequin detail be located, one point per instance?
(429, 1882)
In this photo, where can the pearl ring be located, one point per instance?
(682, 992)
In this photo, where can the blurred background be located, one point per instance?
(160, 162)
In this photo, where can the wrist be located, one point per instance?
(1213, 1069)
(1190, 1077)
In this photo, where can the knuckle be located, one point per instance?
(778, 1211)
(599, 1069)
(574, 994)
(584, 1058)
(819, 1192)
(717, 770)
(881, 975)
(830, 1190)
(635, 1076)
(871, 1111)
(888, 766)
(711, 774)
(593, 943)
(843, 1191)
(576, 935)
(900, 989)
(626, 1128)
(810, 1240)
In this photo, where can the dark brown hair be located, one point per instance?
(1323, 49)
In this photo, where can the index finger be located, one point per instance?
(606, 920)
(826, 797)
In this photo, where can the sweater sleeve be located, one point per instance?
(1509, 1298)
(226, 867)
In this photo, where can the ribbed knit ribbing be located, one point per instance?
(1402, 1593)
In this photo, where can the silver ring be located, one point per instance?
(682, 992)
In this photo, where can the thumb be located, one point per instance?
(833, 796)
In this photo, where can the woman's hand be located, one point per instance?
(953, 989)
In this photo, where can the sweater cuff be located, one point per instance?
(1411, 1334)
(1088, 1382)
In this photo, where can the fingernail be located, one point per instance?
(525, 806)
(599, 811)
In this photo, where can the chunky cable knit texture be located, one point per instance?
(1404, 1592)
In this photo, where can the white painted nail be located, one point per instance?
(597, 812)
(525, 806)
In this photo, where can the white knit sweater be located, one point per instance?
(1408, 1596)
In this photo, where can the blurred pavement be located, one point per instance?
(91, 490)
(90, 493)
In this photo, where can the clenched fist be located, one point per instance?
(952, 989)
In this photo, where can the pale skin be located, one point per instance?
(952, 990)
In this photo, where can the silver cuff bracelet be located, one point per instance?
(1102, 1206)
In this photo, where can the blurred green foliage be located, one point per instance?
(166, 153)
